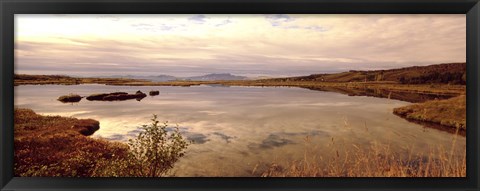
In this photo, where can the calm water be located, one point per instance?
(236, 128)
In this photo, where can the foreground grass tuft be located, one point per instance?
(378, 160)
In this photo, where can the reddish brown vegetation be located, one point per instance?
(57, 146)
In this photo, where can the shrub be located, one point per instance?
(155, 150)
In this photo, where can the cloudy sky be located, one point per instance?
(249, 45)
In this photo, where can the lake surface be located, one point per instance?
(235, 129)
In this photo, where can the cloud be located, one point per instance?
(313, 28)
(288, 22)
(109, 17)
(278, 19)
(156, 27)
(198, 19)
(223, 23)
(247, 45)
(142, 25)
(316, 28)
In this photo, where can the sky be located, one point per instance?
(247, 45)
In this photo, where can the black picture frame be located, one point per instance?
(10, 7)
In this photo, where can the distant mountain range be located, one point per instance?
(212, 77)
(165, 78)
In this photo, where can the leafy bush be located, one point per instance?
(44, 148)
(155, 150)
(152, 153)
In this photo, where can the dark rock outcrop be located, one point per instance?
(87, 127)
(70, 98)
(154, 93)
(100, 97)
(117, 96)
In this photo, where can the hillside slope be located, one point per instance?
(452, 73)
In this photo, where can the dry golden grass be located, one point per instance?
(23, 79)
(441, 89)
(378, 160)
(451, 112)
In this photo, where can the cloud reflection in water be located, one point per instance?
(235, 128)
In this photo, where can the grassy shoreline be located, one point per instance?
(433, 89)
(58, 146)
(450, 112)
(24, 79)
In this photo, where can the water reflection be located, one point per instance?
(224, 137)
(382, 93)
(196, 138)
(236, 128)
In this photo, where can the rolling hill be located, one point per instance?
(215, 77)
(451, 73)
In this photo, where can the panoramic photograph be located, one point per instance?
(250, 95)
